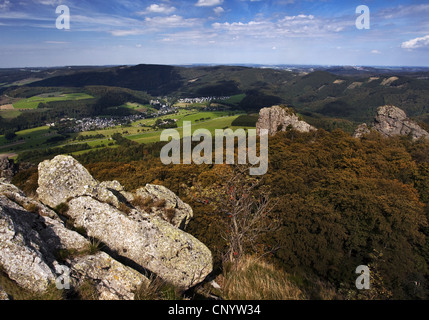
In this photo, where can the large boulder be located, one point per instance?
(145, 239)
(279, 118)
(23, 254)
(392, 121)
(63, 178)
(112, 280)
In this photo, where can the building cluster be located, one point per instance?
(201, 99)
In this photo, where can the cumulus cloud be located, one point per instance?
(158, 8)
(208, 3)
(416, 43)
(218, 10)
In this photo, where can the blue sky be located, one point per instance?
(213, 31)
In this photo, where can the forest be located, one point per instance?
(337, 203)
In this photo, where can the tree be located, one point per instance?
(246, 206)
(10, 135)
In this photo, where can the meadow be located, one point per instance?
(141, 131)
(33, 102)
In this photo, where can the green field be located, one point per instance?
(211, 125)
(140, 131)
(33, 102)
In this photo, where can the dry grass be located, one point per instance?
(257, 280)
(157, 289)
(144, 203)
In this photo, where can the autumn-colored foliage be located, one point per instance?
(338, 200)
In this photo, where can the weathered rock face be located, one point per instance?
(361, 130)
(29, 243)
(147, 240)
(23, 254)
(7, 169)
(113, 280)
(33, 237)
(391, 121)
(182, 212)
(277, 118)
(150, 239)
(63, 178)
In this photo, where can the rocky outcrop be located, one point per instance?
(7, 169)
(181, 213)
(391, 121)
(361, 130)
(112, 280)
(36, 246)
(28, 244)
(149, 237)
(63, 178)
(279, 118)
(147, 240)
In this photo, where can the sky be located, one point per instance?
(272, 32)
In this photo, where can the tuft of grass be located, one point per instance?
(87, 291)
(159, 203)
(157, 289)
(254, 279)
(124, 208)
(144, 203)
(16, 292)
(62, 208)
(169, 213)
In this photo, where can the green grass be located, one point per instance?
(10, 114)
(140, 131)
(211, 125)
(33, 102)
(27, 140)
(235, 99)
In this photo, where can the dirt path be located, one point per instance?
(8, 155)
(7, 107)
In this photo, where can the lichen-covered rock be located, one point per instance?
(23, 254)
(15, 194)
(277, 118)
(7, 169)
(182, 211)
(112, 280)
(147, 240)
(63, 178)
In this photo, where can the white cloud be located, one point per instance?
(5, 5)
(218, 10)
(375, 52)
(49, 2)
(208, 3)
(158, 8)
(416, 43)
(57, 42)
(173, 21)
(122, 33)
